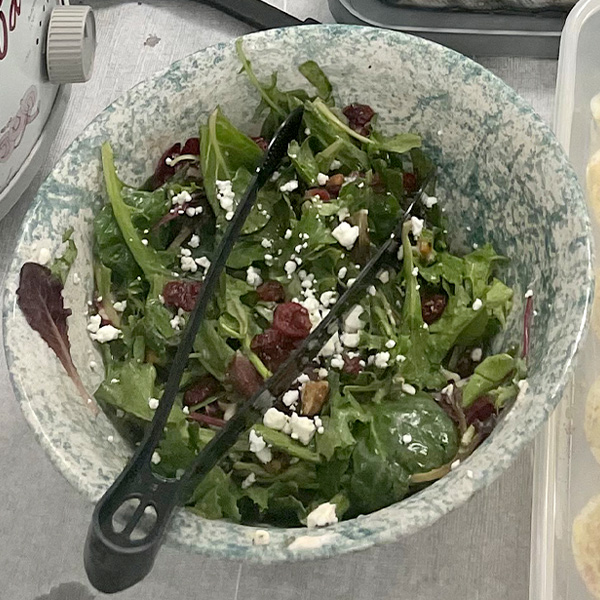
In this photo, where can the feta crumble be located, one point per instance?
(290, 186)
(352, 322)
(194, 241)
(477, 304)
(302, 428)
(528, 293)
(381, 360)
(275, 419)
(476, 354)
(384, 276)
(248, 481)
(120, 306)
(107, 333)
(342, 272)
(253, 277)
(259, 447)
(429, 201)
(390, 344)
(409, 389)
(350, 340)
(290, 397)
(322, 179)
(225, 194)
(417, 226)
(153, 403)
(346, 234)
(155, 458)
(322, 516)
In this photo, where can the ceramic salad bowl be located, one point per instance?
(503, 179)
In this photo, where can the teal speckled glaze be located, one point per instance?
(503, 175)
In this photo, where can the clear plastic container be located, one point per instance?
(566, 474)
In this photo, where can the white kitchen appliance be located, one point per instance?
(44, 46)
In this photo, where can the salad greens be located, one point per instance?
(408, 386)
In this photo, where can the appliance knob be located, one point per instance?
(70, 44)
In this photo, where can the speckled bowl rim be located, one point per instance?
(383, 526)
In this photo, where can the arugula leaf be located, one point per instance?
(215, 497)
(61, 265)
(177, 450)
(329, 130)
(102, 279)
(311, 70)
(156, 327)
(498, 301)
(111, 249)
(488, 375)
(478, 268)
(344, 412)
(150, 261)
(223, 150)
(129, 385)
(304, 161)
(212, 350)
(286, 443)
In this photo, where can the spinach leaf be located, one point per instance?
(414, 431)
(376, 480)
(498, 301)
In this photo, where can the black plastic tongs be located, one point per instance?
(114, 558)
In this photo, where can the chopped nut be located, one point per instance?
(425, 249)
(314, 395)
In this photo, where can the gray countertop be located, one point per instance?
(480, 551)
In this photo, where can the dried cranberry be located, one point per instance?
(243, 376)
(204, 388)
(292, 320)
(272, 347)
(481, 410)
(432, 306)
(181, 294)
(191, 146)
(409, 181)
(271, 291)
(359, 116)
(321, 192)
(352, 365)
(261, 142)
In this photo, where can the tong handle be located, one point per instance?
(120, 549)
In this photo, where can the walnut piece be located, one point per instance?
(314, 395)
